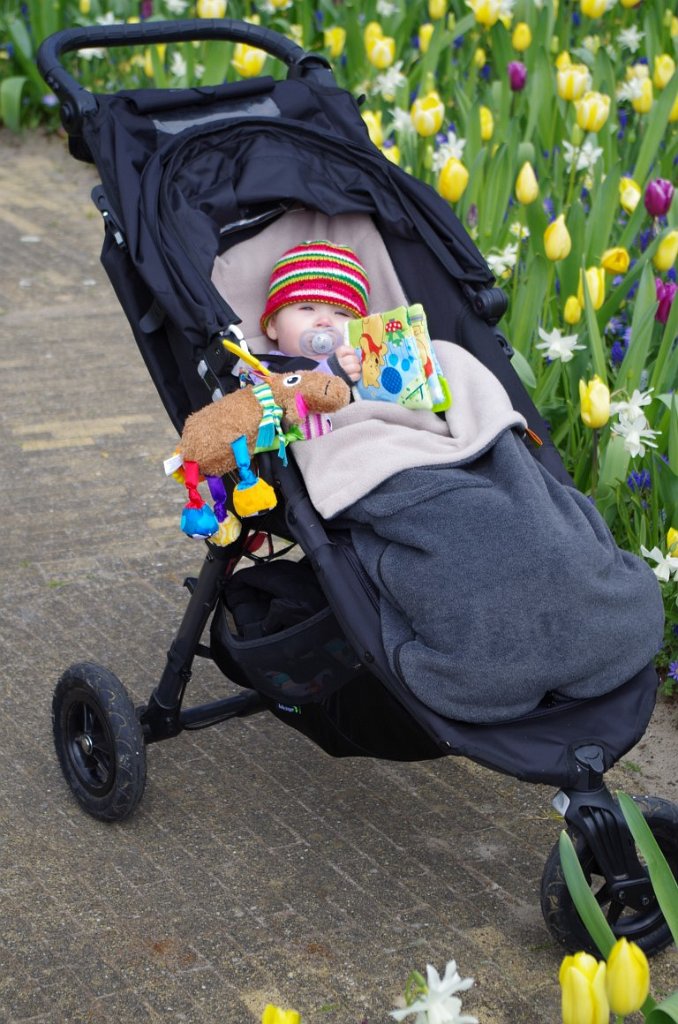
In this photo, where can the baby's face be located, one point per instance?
(288, 325)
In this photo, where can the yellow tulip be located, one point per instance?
(666, 253)
(381, 53)
(211, 8)
(373, 30)
(572, 312)
(673, 116)
(615, 260)
(248, 60)
(335, 39)
(425, 33)
(563, 60)
(674, 26)
(629, 194)
(486, 12)
(627, 978)
(573, 81)
(582, 983)
(452, 180)
(274, 1015)
(595, 282)
(84, 6)
(637, 71)
(522, 37)
(480, 58)
(593, 110)
(557, 241)
(593, 8)
(527, 188)
(486, 124)
(629, 3)
(643, 104)
(427, 113)
(437, 9)
(671, 539)
(372, 119)
(594, 398)
(664, 70)
(161, 49)
(391, 153)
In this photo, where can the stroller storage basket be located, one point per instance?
(304, 663)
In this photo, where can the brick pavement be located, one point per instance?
(256, 867)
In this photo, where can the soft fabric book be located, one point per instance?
(397, 359)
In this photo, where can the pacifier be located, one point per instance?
(320, 341)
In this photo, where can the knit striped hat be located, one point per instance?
(318, 272)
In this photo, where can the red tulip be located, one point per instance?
(666, 291)
(658, 196)
(517, 73)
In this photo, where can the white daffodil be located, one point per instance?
(503, 261)
(389, 81)
(176, 6)
(519, 231)
(92, 53)
(108, 19)
(587, 155)
(178, 65)
(632, 409)
(402, 122)
(440, 1005)
(453, 147)
(666, 564)
(630, 38)
(631, 90)
(637, 435)
(557, 345)
(385, 8)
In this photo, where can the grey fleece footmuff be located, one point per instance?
(499, 584)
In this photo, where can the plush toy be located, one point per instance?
(261, 417)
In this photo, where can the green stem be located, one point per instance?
(594, 466)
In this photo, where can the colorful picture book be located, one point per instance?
(397, 359)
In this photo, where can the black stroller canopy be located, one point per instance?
(201, 160)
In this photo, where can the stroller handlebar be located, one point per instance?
(77, 101)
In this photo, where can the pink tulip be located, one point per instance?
(517, 73)
(666, 291)
(658, 196)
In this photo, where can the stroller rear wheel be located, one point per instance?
(99, 741)
(647, 926)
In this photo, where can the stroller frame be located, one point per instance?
(100, 736)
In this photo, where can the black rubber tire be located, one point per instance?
(99, 741)
(647, 927)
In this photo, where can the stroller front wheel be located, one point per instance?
(646, 927)
(99, 741)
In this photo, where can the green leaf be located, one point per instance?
(614, 464)
(673, 436)
(601, 219)
(587, 906)
(659, 379)
(11, 91)
(642, 326)
(664, 884)
(498, 185)
(528, 302)
(665, 1012)
(655, 126)
(523, 369)
(595, 340)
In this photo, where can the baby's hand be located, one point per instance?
(349, 361)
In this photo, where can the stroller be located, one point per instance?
(186, 189)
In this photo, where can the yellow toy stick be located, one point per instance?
(243, 353)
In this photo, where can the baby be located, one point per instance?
(314, 289)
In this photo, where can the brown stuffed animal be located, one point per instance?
(208, 434)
